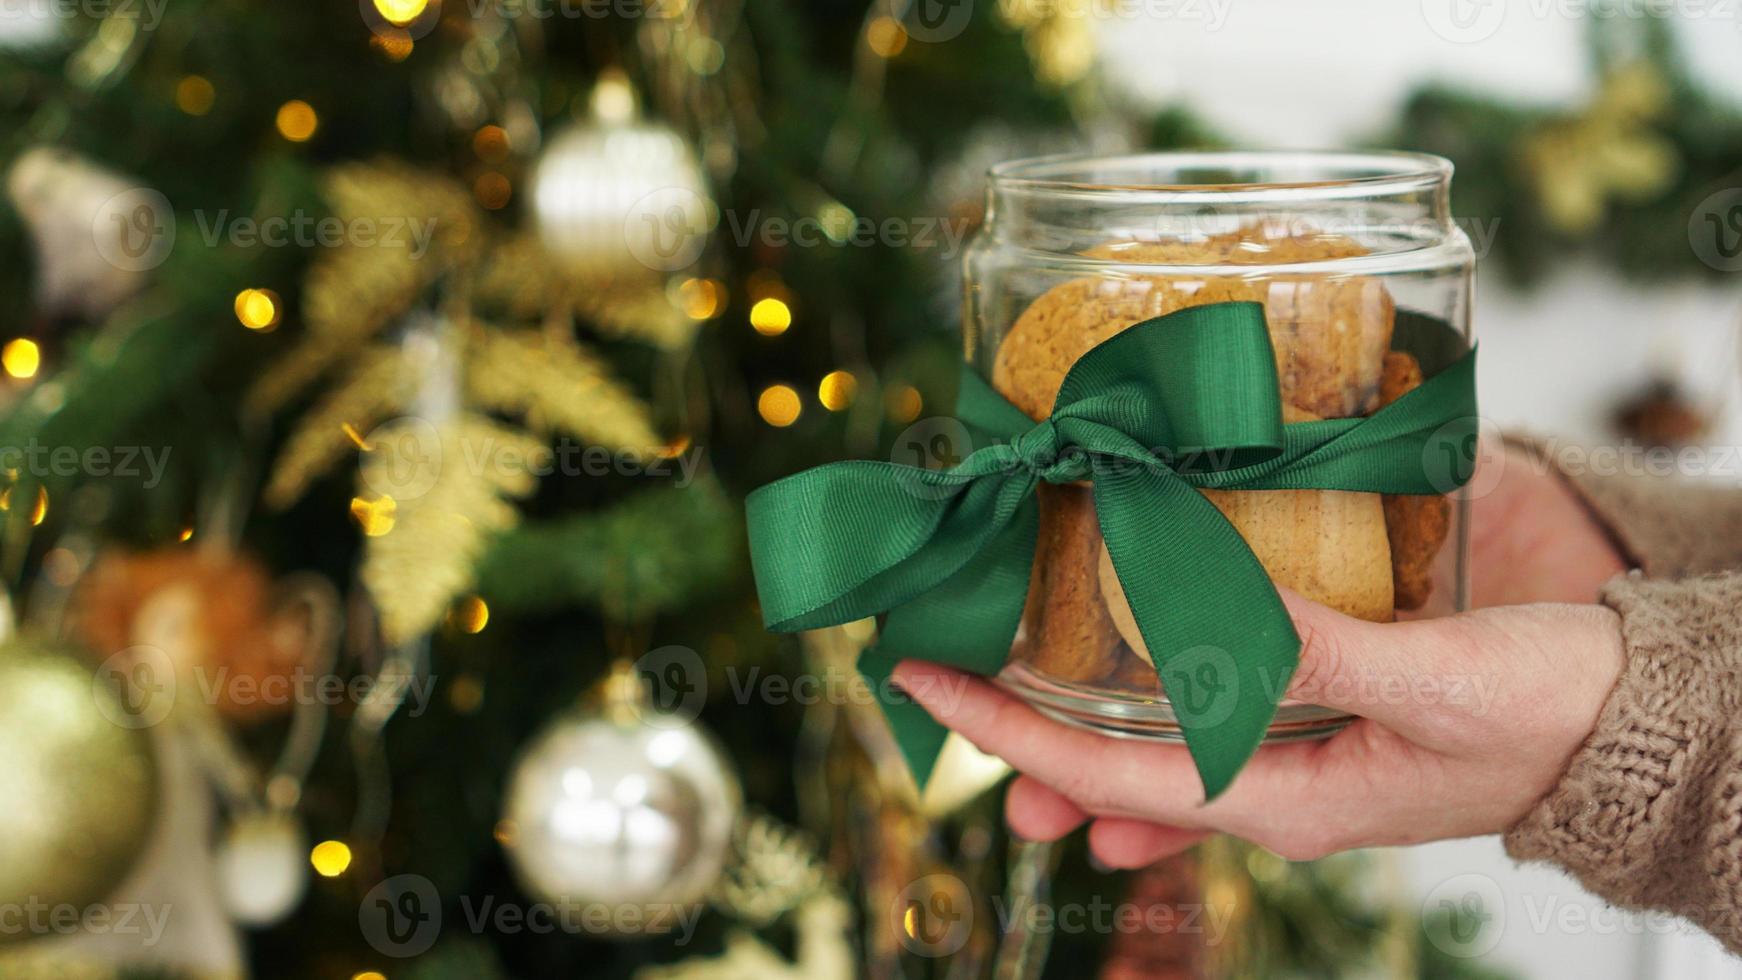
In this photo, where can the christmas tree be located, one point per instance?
(428, 350)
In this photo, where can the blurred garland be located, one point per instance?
(1622, 179)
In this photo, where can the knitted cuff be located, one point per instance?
(1649, 814)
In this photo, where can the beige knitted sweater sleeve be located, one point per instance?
(1649, 814)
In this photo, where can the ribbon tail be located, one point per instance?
(1220, 638)
(968, 622)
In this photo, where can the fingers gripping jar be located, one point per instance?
(1340, 248)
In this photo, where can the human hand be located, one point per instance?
(1466, 721)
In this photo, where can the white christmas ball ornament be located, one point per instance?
(263, 867)
(621, 200)
(620, 811)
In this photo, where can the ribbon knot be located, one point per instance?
(1041, 451)
(1189, 400)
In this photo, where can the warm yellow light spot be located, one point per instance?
(369, 975)
(903, 404)
(401, 12)
(676, 447)
(187, 534)
(910, 920)
(394, 47)
(257, 309)
(706, 56)
(297, 121)
(612, 99)
(770, 317)
(37, 512)
(837, 390)
(701, 299)
(491, 143)
(470, 614)
(886, 37)
(492, 190)
(21, 358)
(356, 437)
(836, 219)
(330, 858)
(466, 694)
(194, 95)
(375, 517)
(505, 831)
(779, 406)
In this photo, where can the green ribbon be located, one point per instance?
(1181, 402)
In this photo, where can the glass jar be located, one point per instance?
(1342, 249)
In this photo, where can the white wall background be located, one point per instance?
(1292, 73)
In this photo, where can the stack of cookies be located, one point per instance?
(1361, 553)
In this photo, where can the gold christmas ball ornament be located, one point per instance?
(621, 200)
(78, 781)
(622, 811)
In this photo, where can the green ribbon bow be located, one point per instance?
(1185, 401)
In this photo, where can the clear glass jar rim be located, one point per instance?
(1363, 172)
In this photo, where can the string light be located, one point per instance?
(770, 317)
(700, 299)
(257, 309)
(401, 12)
(470, 615)
(779, 406)
(903, 404)
(369, 975)
(491, 144)
(837, 390)
(37, 512)
(330, 858)
(297, 121)
(886, 37)
(187, 533)
(395, 47)
(21, 358)
(375, 517)
(492, 190)
(194, 95)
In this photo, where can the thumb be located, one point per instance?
(1375, 670)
